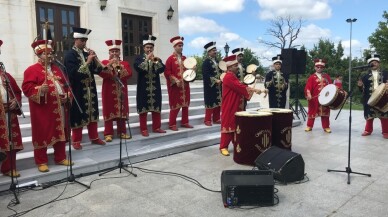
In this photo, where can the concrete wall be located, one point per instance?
(18, 27)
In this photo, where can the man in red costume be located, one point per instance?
(234, 94)
(315, 83)
(8, 167)
(114, 95)
(47, 96)
(178, 89)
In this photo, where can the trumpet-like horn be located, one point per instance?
(96, 60)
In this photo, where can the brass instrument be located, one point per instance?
(96, 60)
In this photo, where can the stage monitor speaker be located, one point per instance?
(247, 188)
(287, 166)
(300, 60)
(289, 60)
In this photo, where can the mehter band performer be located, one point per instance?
(212, 85)
(178, 89)
(277, 84)
(368, 84)
(8, 167)
(115, 92)
(82, 64)
(47, 97)
(234, 94)
(315, 83)
(149, 92)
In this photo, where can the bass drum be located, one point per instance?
(252, 136)
(189, 75)
(281, 127)
(379, 98)
(332, 96)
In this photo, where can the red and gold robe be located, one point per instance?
(314, 85)
(234, 94)
(111, 90)
(16, 135)
(178, 97)
(48, 115)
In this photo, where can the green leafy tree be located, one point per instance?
(379, 39)
(250, 57)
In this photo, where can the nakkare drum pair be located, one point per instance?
(189, 75)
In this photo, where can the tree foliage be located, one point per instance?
(379, 39)
(285, 30)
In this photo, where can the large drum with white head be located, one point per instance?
(332, 96)
(252, 135)
(379, 98)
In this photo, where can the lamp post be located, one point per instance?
(226, 48)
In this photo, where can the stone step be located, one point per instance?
(94, 158)
(194, 91)
(195, 100)
(196, 117)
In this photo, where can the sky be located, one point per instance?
(241, 23)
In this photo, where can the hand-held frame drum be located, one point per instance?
(189, 75)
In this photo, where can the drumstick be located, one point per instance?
(189, 74)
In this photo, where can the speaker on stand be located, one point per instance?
(294, 62)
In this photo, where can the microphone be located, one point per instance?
(363, 67)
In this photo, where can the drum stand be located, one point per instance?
(348, 170)
(121, 165)
(297, 103)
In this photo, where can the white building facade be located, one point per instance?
(127, 20)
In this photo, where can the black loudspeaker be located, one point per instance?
(247, 188)
(300, 60)
(289, 60)
(294, 61)
(287, 166)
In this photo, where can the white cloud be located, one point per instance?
(311, 34)
(210, 6)
(193, 25)
(306, 9)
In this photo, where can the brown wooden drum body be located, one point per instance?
(332, 96)
(379, 98)
(252, 136)
(281, 127)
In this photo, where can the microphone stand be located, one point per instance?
(348, 169)
(71, 178)
(9, 127)
(121, 165)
